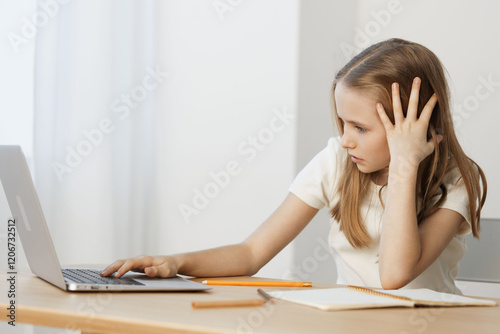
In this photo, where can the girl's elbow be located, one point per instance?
(249, 261)
(251, 269)
(394, 281)
(392, 285)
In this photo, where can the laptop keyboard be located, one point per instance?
(93, 276)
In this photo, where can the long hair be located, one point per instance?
(372, 72)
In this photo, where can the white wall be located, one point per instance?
(229, 75)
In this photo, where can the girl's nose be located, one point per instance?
(347, 141)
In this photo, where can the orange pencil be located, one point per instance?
(258, 283)
(228, 303)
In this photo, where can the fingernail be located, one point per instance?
(395, 85)
(417, 80)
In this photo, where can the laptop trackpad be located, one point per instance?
(176, 282)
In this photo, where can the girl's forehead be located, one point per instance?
(355, 105)
(351, 97)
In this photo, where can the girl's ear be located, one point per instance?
(436, 133)
(439, 134)
(439, 138)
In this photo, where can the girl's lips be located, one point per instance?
(356, 159)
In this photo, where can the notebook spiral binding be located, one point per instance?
(376, 293)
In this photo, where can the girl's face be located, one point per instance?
(364, 134)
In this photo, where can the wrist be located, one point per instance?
(408, 160)
(402, 170)
(176, 262)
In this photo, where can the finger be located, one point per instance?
(386, 121)
(426, 114)
(413, 101)
(137, 263)
(396, 104)
(112, 268)
(127, 266)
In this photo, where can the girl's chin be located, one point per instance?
(367, 169)
(364, 168)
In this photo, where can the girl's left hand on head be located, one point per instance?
(407, 138)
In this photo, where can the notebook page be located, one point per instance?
(431, 297)
(338, 299)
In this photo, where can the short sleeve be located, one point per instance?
(316, 183)
(457, 198)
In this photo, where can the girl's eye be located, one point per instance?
(360, 129)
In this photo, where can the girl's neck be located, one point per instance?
(380, 177)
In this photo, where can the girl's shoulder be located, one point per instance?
(453, 176)
(457, 197)
(335, 148)
(316, 183)
(332, 157)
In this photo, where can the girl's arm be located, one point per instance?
(406, 247)
(245, 258)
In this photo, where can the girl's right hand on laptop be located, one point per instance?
(152, 266)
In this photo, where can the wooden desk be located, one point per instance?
(40, 303)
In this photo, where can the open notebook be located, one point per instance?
(353, 297)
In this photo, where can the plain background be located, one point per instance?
(233, 71)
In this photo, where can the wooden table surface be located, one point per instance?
(40, 303)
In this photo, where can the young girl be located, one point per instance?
(401, 191)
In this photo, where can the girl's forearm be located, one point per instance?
(231, 260)
(400, 242)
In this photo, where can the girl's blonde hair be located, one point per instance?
(372, 72)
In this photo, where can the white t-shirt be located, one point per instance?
(316, 185)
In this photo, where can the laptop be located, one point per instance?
(39, 249)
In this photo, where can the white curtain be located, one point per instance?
(96, 77)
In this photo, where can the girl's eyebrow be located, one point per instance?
(353, 122)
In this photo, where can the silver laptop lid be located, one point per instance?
(27, 213)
